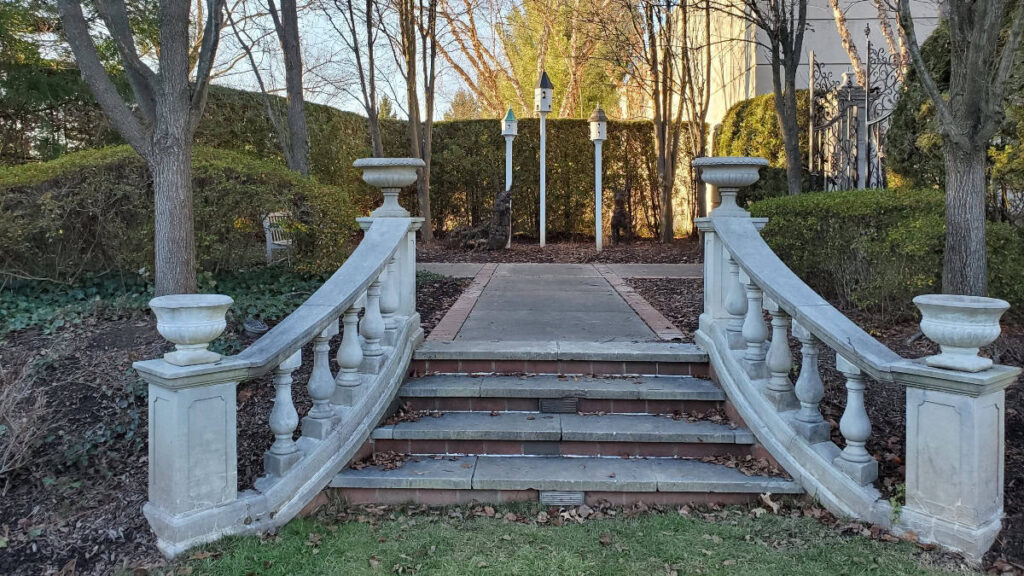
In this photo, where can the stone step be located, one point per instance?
(552, 386)
(538, 427)
(560, 357)
(444, 480)
(630, 395)
(525, 433)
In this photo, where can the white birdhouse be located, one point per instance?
(543, 93)
(598, 125)
(509, 125)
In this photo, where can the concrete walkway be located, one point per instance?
(550, 302)
(470, 269)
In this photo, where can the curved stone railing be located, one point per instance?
(193, 492)
(954, 442)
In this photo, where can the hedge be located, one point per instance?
(877, 249)
(468, 163)
(750, 128)
(91, 212)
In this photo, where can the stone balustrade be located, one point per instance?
(955, 401)
(193, 468)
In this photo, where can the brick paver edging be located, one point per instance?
(657, 322)
(449, 326)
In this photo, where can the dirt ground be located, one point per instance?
(680, 301)
(646, 251)
(76, 508)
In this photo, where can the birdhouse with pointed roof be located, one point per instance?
(509, 125)
(543, 93)
(598, 125)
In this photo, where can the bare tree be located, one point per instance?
(696, 86)
(286, 24)
(783, 23)
(359, 28)
(651, 42)
(167, 111)
(897, 44)
(847, 40)
(416, 22)
(481, 66)
(981, 59)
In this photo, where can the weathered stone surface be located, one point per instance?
(694, 476)
(424, 473)
(476, 426)
(562, 350)
(552, 473)
(645, 428)
(549, 386)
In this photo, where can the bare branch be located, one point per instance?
(77, 32)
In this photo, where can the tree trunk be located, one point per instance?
(171, 167)
(964, 269)
(785, 115)
(298, 134)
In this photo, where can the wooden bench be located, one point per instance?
(277, 237)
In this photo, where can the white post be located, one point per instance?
(508, 184)
(598, 234)
(543, 179)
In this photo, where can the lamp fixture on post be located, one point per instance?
(598, 133)
(543, 93)
(509, 129)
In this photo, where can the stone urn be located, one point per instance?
(728, 174)
(390, 175)
(191, 322)
(960, 325)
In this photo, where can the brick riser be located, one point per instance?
(585, 405)
(396, 496)
(584, 367)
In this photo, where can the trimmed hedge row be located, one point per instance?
(750, 128)
(468, 165)
(92, 212)
(877, 249)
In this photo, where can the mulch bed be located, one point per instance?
(647, 251)
(78, 506)
(680, 300)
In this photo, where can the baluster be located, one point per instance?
(856, 428)
(779, 361)
(350, 357)
(372, 326)
(755, 332)
(809, 389)
(317, 424)
(283, 453)
(389, 296)
(736, 306)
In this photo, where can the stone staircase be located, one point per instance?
(596, 427)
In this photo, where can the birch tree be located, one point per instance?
(982, 53)
(166, 110)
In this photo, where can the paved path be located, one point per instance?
(551, 302)
(470, 269)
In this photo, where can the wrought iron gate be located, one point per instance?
(848, 123)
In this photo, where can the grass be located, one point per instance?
(650, 544)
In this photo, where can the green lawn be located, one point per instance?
(651, 544)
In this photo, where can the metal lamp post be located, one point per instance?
(543, 93)
(598, 133)
(509, 129)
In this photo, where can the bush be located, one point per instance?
(750, 128)
(92, 212)
(877, 249)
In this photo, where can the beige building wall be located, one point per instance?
(741, 69)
